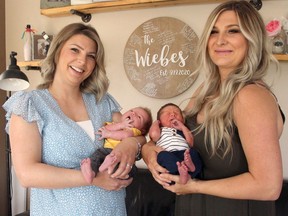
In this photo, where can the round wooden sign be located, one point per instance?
(159, 57)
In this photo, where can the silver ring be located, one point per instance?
(128, 165)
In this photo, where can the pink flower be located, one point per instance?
(273, 28)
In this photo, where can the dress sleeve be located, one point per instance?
(114, 105)
(21, 104)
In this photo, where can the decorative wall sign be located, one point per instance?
(159, 57)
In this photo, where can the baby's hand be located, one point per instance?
(103, 132)
(177, 124)
(127, 123)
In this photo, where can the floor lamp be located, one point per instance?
(11, 80)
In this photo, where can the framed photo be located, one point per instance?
(44, 4)
(40, 46)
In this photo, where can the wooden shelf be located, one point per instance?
(118, 5)
(281, 57)
(121, 5)
(35, 63)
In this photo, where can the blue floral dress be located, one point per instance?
(65, 144)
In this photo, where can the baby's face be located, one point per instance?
(170, 113)
(138, 116)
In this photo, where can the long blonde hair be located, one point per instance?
(97, 83)
(218, 96)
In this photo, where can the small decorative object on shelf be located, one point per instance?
(40, 46)
(77, 2)
(27, 36)
(44, 4)
(48, 40)
(285, 28)
(278, 43)
(278, 37)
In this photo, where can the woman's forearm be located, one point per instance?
(40, 175)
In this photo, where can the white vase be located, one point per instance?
(28, 44)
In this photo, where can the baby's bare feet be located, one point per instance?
(183, 171)
(188, 161)
(86, 170)
(109, 160)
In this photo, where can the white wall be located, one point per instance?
(115, 29)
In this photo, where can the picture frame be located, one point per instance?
(45, 4)
(40, 46)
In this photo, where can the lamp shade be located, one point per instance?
(13, 79)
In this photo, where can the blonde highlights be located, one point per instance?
(218, 96)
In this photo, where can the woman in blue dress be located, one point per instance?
(53, 128)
